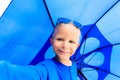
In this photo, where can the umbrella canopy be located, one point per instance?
(25, 29)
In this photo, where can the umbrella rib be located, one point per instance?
(91, 58)
(107, 11)
(79, 72)
(96, 68)
(83, 53)
(96, 50)
(105, 46)
(48, 13)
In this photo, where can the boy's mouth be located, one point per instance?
(64, 52)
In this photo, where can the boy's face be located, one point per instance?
(65, 40)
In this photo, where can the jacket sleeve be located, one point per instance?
(17, 72)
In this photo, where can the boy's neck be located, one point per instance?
(66, 62)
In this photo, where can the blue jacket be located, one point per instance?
(49, 69)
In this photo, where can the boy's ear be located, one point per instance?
(51, 40)
(78, 45)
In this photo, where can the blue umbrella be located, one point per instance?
(26, 26)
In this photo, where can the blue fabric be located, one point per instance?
(26, 26)
(49, 69)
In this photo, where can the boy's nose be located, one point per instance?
(65, 45)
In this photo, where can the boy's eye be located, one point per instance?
(71, 41)
(59, 39)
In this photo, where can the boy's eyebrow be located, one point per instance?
(65, 20)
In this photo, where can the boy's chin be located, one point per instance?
(63, 57)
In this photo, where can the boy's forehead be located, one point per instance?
(67, 29)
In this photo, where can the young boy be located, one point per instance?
(65, 41)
